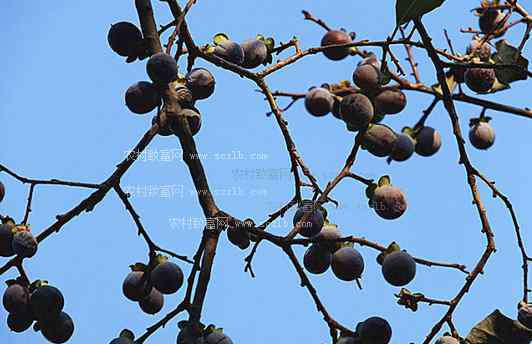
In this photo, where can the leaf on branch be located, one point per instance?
(408, 299)
(510, 55)
(406, 10)
(451, 83)
(499, 329)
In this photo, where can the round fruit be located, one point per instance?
(356, 110)
(46, 303)
(482, 51)
(347, 340)
(163, 131)
(524, 316)
(319, 101)
(367, 77)
(229, 51)
(317, 259)
(58, 330)
(328, 233)
(238, 236)
(200, 82)
(6, 239)
(389, 202)
(403, 148)
(482, 135)
(336, 108)
(24, 244)
(122, 340)
(334, 37)
(490, 19)
(125, 39)
(152, 303)
(375, 330)
(255, 53)
(480, 80)
(167, 277)
(162, 68)
(378, 140)
(142, 97)
(428, 141)
(347, 264)
(16, 299)
(399, 268)
(2, 191)
(447, 340)
(133, 287)
(19, 322)
(217, 338)
(314, 222)
(390, 101)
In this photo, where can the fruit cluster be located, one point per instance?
(16, 240)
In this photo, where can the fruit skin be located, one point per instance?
(121, 340)
(133, 289)
(489, 19)
(482, 135)
(336, 109)
(229, 51)
(428, 141)
(167, 277)
(399, 268)
(356, 110)
(16, 299)
(317, 259)
(125, 39)
(193, 118)
(333, 37)
(330, 232)
(2, 191)
(46, 303)
(314, 222)
(142, 97)
(482, 51)
(217, 338)
(367, 77)
(238, 237)
(375, 330)
(200, 82)
(319, 101)
(390, 102)
(447, 340)
(480, 80)
(24, 244)
(347, 340)
(389, 202)
(20, 322)
(378, 140)
(162, 68)
(524, 315)
(152, 303)
(347, 264)
(6, 239)
(255, 53)
(59, 330)
(403, 148)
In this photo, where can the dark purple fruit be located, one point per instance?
(142, 97)
(482, 135)
(152, 303)
(24, 244)
(356, 110)
(122, 340)
(347, 340)
(336, 109)
(428, 141)
(319, 101)
(375, 330)
(255, 53)
(16, 299)
(20, 322)
(399, 268)
(524, 315)
(229, 51)
(477, 50)
(403, 148)
(389, 202)
(314, 221)
(489, 20)
(390, 102)
(133, 288)
(200, 82)
(379, 140)
(347, 264)
(46, 303)
(125, 39)
(6, 239)
(317, 259)
(167, 277)
(217, 338)
(238, 236)
(329, 233)
(162, 68)
(480, 80)
(367, 77)
(2, 191)
(334, 37)
(59, 330)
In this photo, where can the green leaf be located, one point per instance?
(508, 54)
(499, 329)
(393, 247)
(406, 10)
(384, 180)
(138, 267)
(451, 83)
(219, 38)
(370, 190)
(270, 43)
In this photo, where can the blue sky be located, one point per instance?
(64, 117)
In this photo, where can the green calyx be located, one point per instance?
(393, 247)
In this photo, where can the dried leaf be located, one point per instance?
(499, 329)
